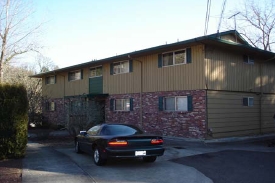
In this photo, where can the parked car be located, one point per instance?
(118, 141)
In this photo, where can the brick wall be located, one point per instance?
(87, 115)
(190, 124)
(57, 116)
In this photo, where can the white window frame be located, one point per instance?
(52, 80)
(250, 101)
(95, 68)
(124, 104)
(121, 63)
(176, 103)
(185, 59)
(74, 79)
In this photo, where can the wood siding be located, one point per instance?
(121, 83)
(228, 117)
(213, 69)
(78, 87)
(56, 90)
(268, 113)
(171, 78)
(72, 88)
(226, 70)
(268, 77)
(231, 38)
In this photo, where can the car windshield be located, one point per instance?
(120, 130)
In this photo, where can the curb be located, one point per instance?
(254, 138)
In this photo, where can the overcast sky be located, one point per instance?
(79, 31)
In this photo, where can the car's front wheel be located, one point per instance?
(149, 159)
(98, 160)
(76, 147)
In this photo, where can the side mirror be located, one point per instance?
(83, 133)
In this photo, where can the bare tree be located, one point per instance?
(256, 22)
(20, 75)
(83, 113)
(45, 64)
(16, 32)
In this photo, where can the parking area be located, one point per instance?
(233, 166)
(62, 164)
(181, 163)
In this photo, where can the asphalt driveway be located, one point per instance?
(62, 164)
(44, 164)
(183, 161)
(234, 166)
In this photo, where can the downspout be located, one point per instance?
(140, 94)
(208, 131)
(63, 95)
(261, 95)
(141, 89)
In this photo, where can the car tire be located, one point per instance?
(98, 160)
(149, 159)
(77, 148)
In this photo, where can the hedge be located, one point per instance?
(13, 121)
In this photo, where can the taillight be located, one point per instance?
(117, 142)
(157, 141)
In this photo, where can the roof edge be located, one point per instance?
(213, 37)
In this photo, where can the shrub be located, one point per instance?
(13, 121)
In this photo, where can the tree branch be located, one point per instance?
(15, 54)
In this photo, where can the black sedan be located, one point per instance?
(118, 141)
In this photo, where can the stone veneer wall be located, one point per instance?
(190, 124)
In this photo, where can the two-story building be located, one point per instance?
(207, 87)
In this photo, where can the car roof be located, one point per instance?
(109, 124)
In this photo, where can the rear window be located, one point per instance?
(93, 130)
(120, 130)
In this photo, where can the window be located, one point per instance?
(248, 101)
(176, 103)
(174, 58)
(50, 106)
(248, 59)
(96, 71)
(121, 130)
(121, 67)
(50, 80)
(121, 104)
(75, 75)
(94, 130)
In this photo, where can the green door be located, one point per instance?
(96, 85)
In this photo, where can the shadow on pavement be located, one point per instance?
(44, 164)
(234, 166)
